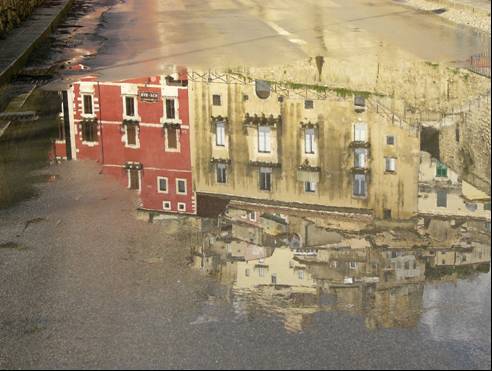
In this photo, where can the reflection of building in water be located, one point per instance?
(139, 131)
(443, 193)
(298, 147)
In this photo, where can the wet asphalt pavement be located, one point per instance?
(89, 286)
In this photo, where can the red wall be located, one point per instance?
(112, 153)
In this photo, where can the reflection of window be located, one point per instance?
(441, 170)
(130, 106)
(181, 186)
(264, 139)
(133, 179)
(309, 187)
(308, 104)
(131, 135)
(261, 271)
(309, 141)
(274, 279)
(360, 158)
(170, 109)
(89, 131)
(166, 205)
(220, 134)
(216, 100)
(252, 216)
(390, 164)
(387, 213)
(181, 206)
(221, 173)
(172, 138)
(390, 140)
(353, 265)
(87, 107)
(246, 273)
(265, 179)
(360, 132)
(442, 198)
(161, 184)
(359, 185)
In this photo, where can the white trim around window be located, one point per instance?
(178, 180)
(166, 205)
(182, 207)
(159, 190)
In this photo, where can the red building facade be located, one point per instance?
(139, 131)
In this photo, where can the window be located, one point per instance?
(181, 186)
(441, 170)
(442, 198)
(359, 185)
(264, 139)
(181, 206)
(252, 216)
(166, 205)
(486, 206)
(308, 104)
(216, 100)
(170, 109)
(274, 279)
(261, 271)
(390, 140)
(359, 101)
(353, 265)
(300, 274)
(162, 184)
(265, 179)
(133, 179)
(457, 134)
(390, 164)
(220, 134)
(89, 131)
(360, 132)
(87, 107)
(245, 97)
(309, 141)
(131, 135)
(130, 106)
(309, 187)
(387, 213)
(360, 158)
(247, 273)
(221, 173)
(172, 138)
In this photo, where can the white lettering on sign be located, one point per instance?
(150, 97)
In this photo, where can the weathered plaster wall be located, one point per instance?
(464, 145)
(13, 12)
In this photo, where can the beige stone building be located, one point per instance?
(298, 147)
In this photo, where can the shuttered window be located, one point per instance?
(360, 159)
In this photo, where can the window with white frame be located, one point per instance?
(87, 106)
(181, 186)
(221, 170)
(360, 160)
(309, 141)
(181, 206)
(390, 164)
(170, 109)
(220, 134)
(130, 106)
(360, 132)
(264, 135)
(166, 205)
(300, 274)
(252, 216)
(162, 184)
(360, 185)
(134, 179)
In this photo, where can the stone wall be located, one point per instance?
(464, 145)
(13, 12)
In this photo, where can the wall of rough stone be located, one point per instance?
(465, 144)
(13, 12)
